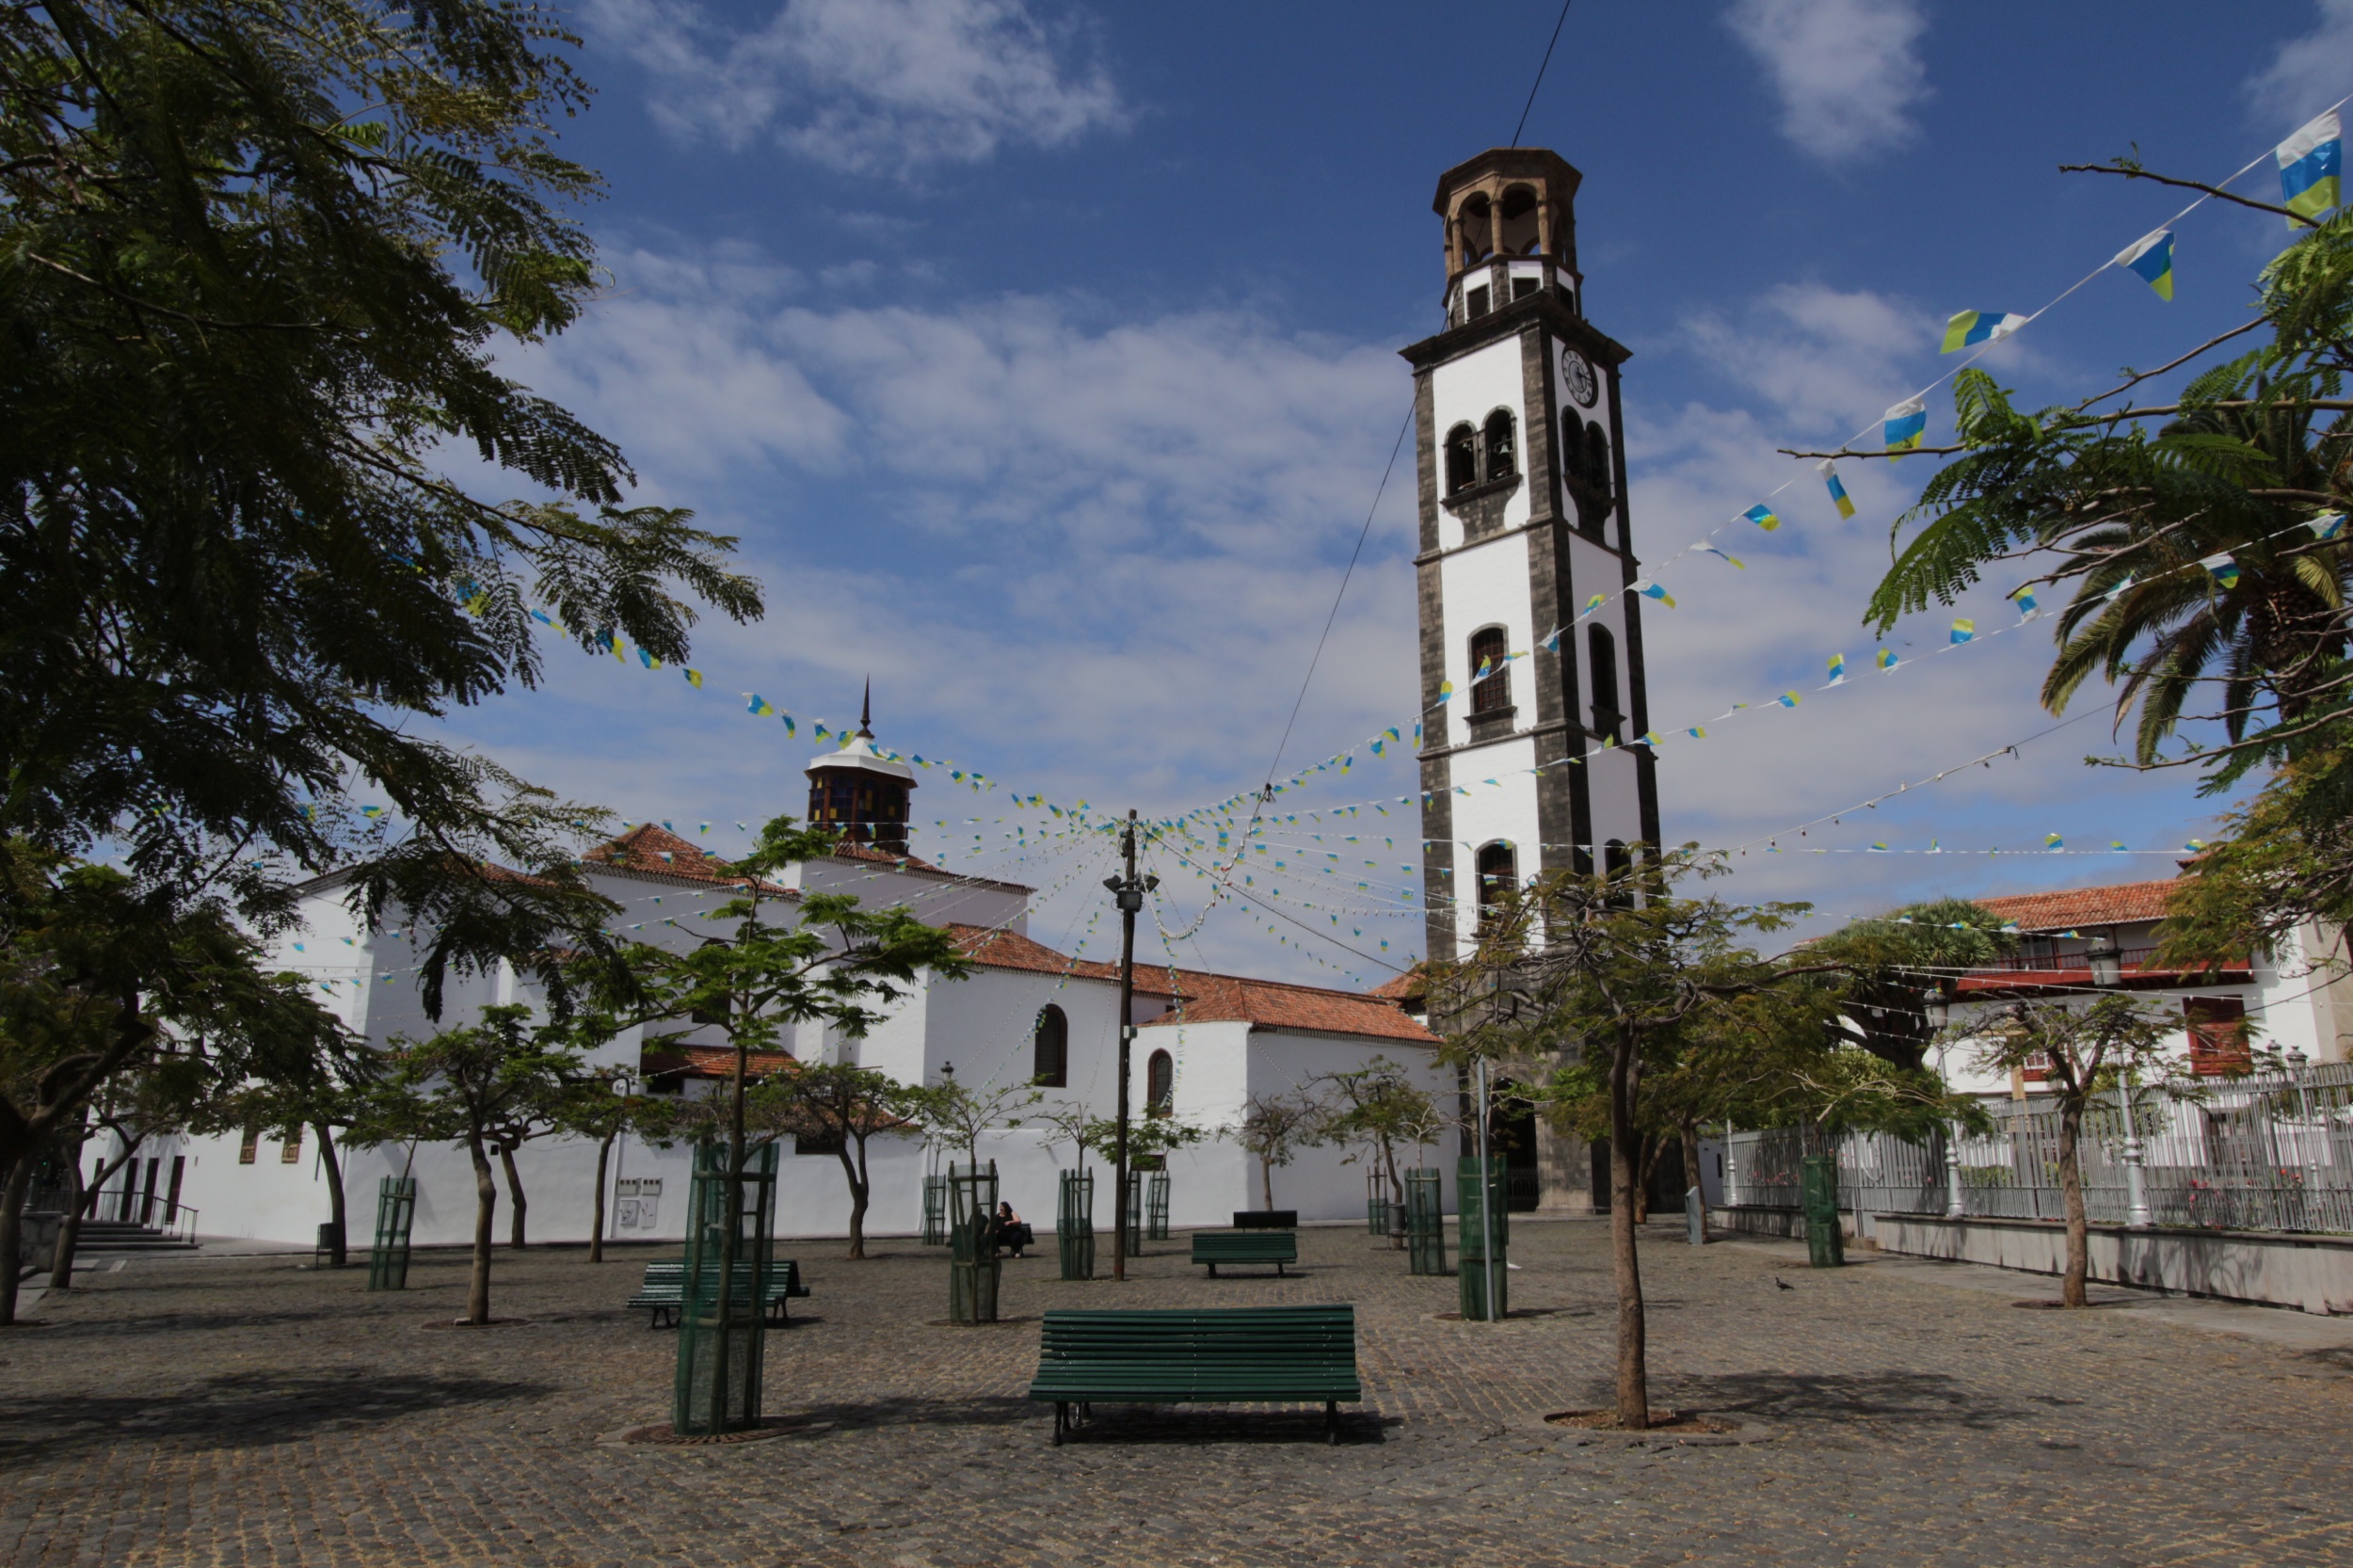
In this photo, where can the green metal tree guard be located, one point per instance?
(1376, 1203)
(1074, 1225)
(396, 1214)
(1135, 1213)
(1483, 1278)
(935, 1212)
(972, 1266)
(1156, 1208)
(722, 1336)
(1425, 1222)
(1817, 1188)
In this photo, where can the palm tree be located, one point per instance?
(2191, 547)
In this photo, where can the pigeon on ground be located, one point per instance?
(1779, 1286)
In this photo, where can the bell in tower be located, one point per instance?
(861, 794)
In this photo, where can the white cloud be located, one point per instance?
(1091, 554)
(867, 85)
(1821, 357)
(1845, 71)
(2309, 72)
(1099, 537)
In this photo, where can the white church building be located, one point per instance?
(1028, 1015)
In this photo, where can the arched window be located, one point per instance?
(1461, 459)
(1601, 673)
(1572, 446)
(1499, 879)
(1491, 691)
(1597, 470)
(1620, 867)
(1050, 1063)
(1503, 450)
(1160, 1082)
(1519, 235)
(1476, 229)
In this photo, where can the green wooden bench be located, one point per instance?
(1216, 1355)
(663, 1292)
(1214, 1247)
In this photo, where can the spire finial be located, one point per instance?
(866, 711)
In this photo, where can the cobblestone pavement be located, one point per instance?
(249, 1411)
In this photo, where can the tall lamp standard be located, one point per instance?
(1128, 890)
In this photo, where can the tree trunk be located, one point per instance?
(12, 1199)
(596, 1231)
(1643, 1172)
(485, 1204)
(515, 1190)
(1691, 1164)
(1396, 1195)
(1633, 1375)
(1265, 1182)
(856, 1171)
(69, 1224)
(2071, 1193)
(338, 1212)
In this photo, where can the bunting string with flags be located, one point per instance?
(2311, 162)
(2151, 259)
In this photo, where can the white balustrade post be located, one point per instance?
(1956, 1206)
(2137, 1216)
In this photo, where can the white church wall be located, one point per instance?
(1330, 1183)
(1493, 812)
(1487, 585)
(1465, 391)
(896, 1045)
(1219, 1065)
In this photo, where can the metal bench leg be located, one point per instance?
(1062, 1421)
(1213, 1270)
(1278, 1270)
(1330, 1420)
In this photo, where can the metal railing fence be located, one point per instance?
(2266, 1151)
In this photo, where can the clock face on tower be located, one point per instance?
(1584, 385)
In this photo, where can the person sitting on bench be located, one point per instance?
(1011, 1232)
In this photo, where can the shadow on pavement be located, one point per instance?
(239, 1410)
(1894, 1399)
(1202, 1425)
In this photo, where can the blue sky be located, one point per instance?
(1044, 358)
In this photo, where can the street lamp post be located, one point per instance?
(1128, 890)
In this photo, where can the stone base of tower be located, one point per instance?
(1564, 1169)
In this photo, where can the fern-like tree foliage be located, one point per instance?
(257, 261)
(1612, 969)
(2199, 543)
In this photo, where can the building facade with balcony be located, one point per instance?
(2085, 941)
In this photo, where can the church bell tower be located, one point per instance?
(860, 792)
(1536, 759)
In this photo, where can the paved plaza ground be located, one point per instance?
(249, 1411)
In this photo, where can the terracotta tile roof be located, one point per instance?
(684, 1062)
(1413, 986)
(850, 849)
(996, 949)
(1274, 1004)
(2121, 903)
(658, 852)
